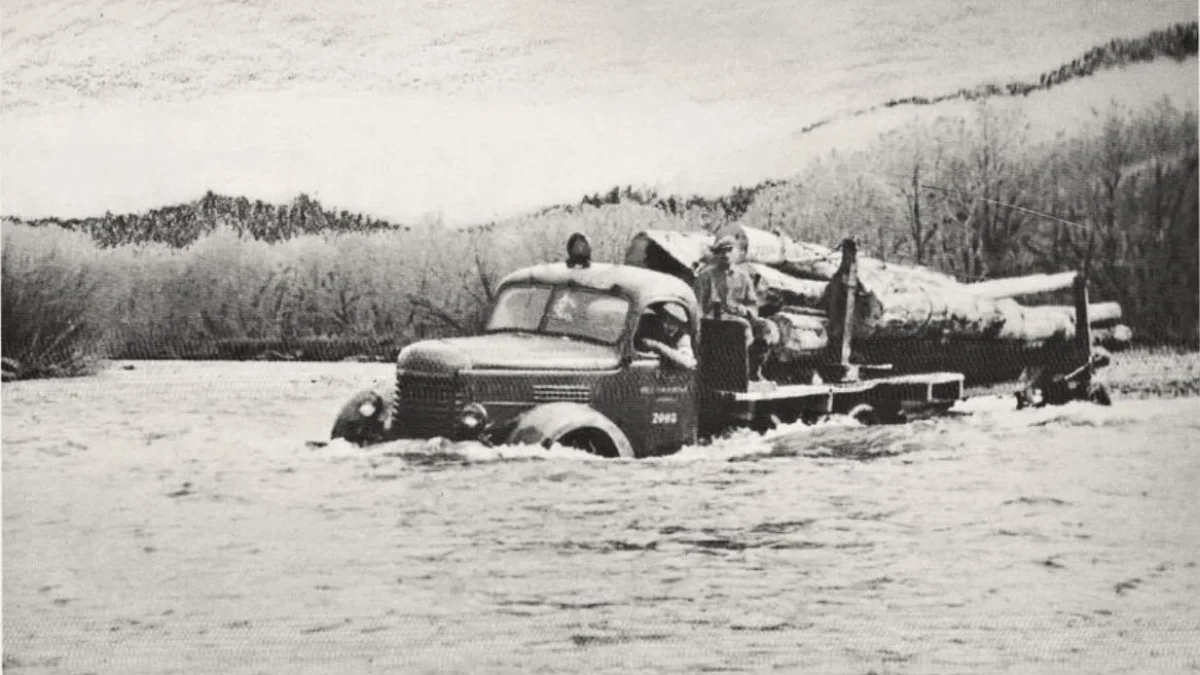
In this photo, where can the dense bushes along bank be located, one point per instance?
(230, 292)
(1129, 181)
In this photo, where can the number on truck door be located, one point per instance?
(665, 418)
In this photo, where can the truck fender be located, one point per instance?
(364, 419)
(574, 422)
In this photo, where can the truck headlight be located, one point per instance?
(367, 409)
(473, 418)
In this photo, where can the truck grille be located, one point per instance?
(426, 405)
(549, 393)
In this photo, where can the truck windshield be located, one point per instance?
(571, 312)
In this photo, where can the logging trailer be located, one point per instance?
(556, 364)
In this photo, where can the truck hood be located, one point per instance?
(507, 351)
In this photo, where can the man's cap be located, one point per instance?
(674, 311)
(725, 243)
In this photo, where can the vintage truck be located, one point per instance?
(556, 363)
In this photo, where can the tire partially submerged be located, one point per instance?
(363, 420)
(572, 425)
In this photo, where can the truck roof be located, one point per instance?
(643, 285)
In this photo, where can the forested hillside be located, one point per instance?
(974, 195)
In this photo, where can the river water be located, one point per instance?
(170, 518)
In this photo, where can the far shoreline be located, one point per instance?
(1137, 373)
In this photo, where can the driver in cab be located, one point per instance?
(663, 331)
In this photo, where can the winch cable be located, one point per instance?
(1010, 206)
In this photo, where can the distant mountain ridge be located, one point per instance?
(182, 224)
(1177, 42)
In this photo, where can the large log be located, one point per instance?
(1099, 313)
(1033, 324)
(804, 339)
(813, 261)
(809, 293)
(1017, 286)
(950, 313)
(801, 335)
(791, 290)
(920, 314)
(804, 334)
(672, 252)
(913, 302)
(690, 250)
(893, 301)
(777, 250)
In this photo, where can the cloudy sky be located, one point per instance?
(479, 110)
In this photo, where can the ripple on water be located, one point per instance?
(974, 423)
(807, 546)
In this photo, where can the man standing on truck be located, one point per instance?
(726, 292)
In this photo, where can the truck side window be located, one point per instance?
(645, 329)
(664, 323)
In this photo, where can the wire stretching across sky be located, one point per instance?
(1008, 206)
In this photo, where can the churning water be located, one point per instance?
(170, 518)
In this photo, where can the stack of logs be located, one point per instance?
(894, 303)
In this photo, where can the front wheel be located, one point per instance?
(573, 425)
(591, 441)
(362, 420)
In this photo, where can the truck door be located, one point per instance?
(668, 396)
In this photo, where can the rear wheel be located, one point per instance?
(864, 413)
(1098, 394)
(812, 417)
(892, 412)
(764, 422)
